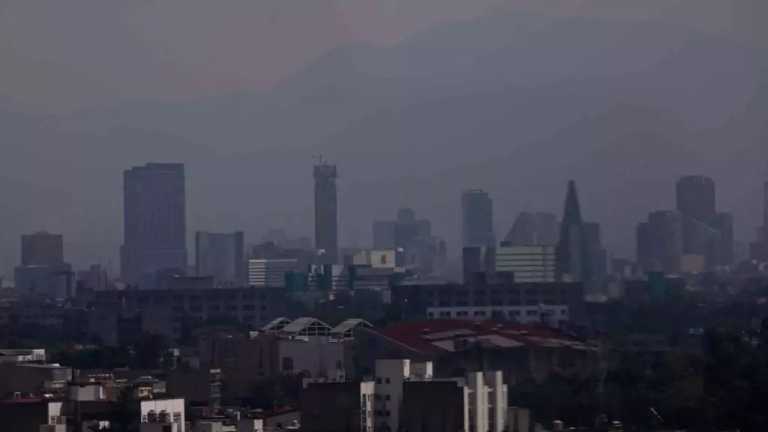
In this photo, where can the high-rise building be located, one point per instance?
(154, 233)
(417, 248)
(660, 242)
(477, 219)
(533, 229)
(705, 232)
(725, 246)
(42, 249)
(573, 263)
(221, 256)
(696, 198)
(43, 271)
(596, 253)
(326, 213)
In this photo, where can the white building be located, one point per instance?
(528, 263)
(158, 414)
(270, 272)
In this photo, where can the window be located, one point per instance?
(387, 397)
(386, 381)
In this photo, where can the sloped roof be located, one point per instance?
(299, 324)
(350, 324)
(276, 324)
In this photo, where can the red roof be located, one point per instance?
(436, 336)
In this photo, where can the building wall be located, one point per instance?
(326, 213)
(316, 355)
(29, 416)
(270, 273)
(42, 249)
(477, 219)
(221, 256)
(433, 407)
(333, 407)
(528, 263)
(174, 408)
(154, 220)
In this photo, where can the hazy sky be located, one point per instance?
(62, 54)
(414, 99)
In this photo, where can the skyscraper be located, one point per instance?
(42, 248)
(572, 253)
(705, 232)
(221, 256)
(154, 233)
(660, 242)
(477, 219)
(326, 214)
(696, 198)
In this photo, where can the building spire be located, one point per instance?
(572, 260)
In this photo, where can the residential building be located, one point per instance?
(326, 214)
(477, 219)
(528, 263)
(406, 396)
(154, 233)
(221, 256)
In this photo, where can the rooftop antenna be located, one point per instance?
(318, 159)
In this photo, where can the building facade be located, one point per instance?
(221, 256)
(42, 249)
(154, 232)
(573, 263)
(326, 214)
(528, 263)
(477, 219)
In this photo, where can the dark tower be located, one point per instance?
(326, 213)
(154, 218)
(572, 254)
(477, 219)
(696, 198)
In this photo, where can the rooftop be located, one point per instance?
(440, 336)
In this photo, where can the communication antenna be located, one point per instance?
(318, 159)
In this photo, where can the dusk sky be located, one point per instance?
(622, 96)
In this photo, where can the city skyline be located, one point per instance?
(637, 254)
(405, 115)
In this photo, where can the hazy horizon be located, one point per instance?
(413, 100)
